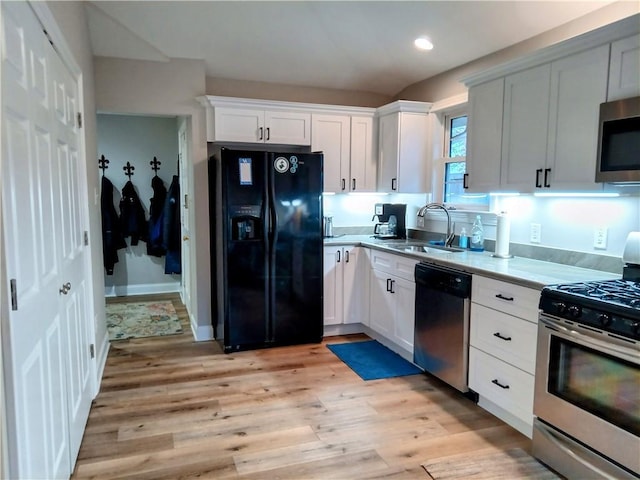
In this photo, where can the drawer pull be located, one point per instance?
(506, 339)
(502, 297)
(496, 382)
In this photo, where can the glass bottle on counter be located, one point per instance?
(477, 235)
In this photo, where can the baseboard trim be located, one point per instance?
(201, 333)
(142, 289)
(343, 329)
(101, 361)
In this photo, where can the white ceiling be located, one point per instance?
(351, 45)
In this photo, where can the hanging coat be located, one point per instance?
(171, 229)
(132, 217)
(112, 238)
(156, 218)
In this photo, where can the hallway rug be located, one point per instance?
(371, 360)
(142, 319)
(513, 464)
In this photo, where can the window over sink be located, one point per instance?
(450, 169)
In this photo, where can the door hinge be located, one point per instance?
(14, 294)
(86, 238)
(92, 350)
(79, 120)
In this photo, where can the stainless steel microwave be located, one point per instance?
(618, 158)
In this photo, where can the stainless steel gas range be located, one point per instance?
(587, 387)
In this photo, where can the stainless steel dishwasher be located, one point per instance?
(441, 338)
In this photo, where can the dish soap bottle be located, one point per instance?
(463, 241)
(477, 235)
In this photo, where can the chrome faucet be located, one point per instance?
(450, 235)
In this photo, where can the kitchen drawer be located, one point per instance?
(516, 393)
(506, 337)
(506, 297)
(397, 265)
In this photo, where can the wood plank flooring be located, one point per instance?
(173, 408)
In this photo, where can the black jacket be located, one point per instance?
(112, 238)
(156, 218)
(132, 217)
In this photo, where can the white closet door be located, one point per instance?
(49, 365)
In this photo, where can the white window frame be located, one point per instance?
(441, 138)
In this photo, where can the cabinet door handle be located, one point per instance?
(353, 184)
(496, 382)
(547, 172)
(502, 297)
(465, 180)
(391, 289)
(388, 284)
(394, 182)
(538, 173)
(260, 134)
(344, 184)
(338, 254)
(346, 256)
(501, 337)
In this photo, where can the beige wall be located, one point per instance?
(168, 88)
(448, 83)
(291, 93)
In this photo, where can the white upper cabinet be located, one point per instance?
(533, 122)
(624, 68)
(578, 87)
(331, 135)
(524, 139)
(347, 142)
(244, 120)
(261, 126)
(364, 164)
(484, 136)
(551, 124)
(403, 159)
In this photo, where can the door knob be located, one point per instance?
(65, 288)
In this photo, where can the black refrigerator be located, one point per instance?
(269, 248)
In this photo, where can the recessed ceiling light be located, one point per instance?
(423, 43)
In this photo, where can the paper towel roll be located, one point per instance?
(503, 228)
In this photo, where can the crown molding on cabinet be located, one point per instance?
(237, 102)
(404, 106)
(606, 34)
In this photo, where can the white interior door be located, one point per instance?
(46, 353)
(185, 194)
(74, 308)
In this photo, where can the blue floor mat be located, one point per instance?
(372, 360)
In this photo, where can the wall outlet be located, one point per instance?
(536, 233)
(600, 238)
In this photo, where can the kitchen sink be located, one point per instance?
(422, 248)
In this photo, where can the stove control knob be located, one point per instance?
(635, 328)
(574, 311)
(605, 319)
(561, 308)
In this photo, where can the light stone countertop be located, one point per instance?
(522, 271)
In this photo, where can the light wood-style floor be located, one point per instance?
(172, 408)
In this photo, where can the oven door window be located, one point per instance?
(603, 385)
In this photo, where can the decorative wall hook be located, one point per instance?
(128, 170)
(103, 164)
(155, 165)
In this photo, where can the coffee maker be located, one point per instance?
(391, 220)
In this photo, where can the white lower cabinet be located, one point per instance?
(392, 298)
(502, 349)
(344, 291)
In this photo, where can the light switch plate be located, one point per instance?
(536, 233)
(600, 238)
